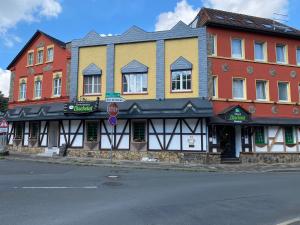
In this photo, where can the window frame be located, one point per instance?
(215, 86)
(288, 91)
(28, 53)
(285, 52)
(58, 88)
(93, 85)
(21, 126)
(297, 58)
(35, 89)
(242, 47)
(293, 135)
(264, 50)
(96, 124)
(244, 88)
(47, 55)
(22, 97)
(30, 130)
(214, 38)
(181, 81)
(264, 136)
(267, 90)
(37, 56)
(135, 74)
(133, 131)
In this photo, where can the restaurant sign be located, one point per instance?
(80, 107)
(237, 115)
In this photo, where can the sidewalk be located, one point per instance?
(279, 167)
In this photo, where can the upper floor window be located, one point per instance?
(237, 48)
(214, 86)
(238, 89)
(57, 87)
(213, 44)
(182, 80)
(30, 58)
(281, 53)
(38, 89)
(259, 51)
(261, 90)
(92, 84)
(22, 93)
(50, 54)
(298, 56)
(283, 91)
(40, 56)
(135, 83)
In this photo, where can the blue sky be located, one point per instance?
(71, 19)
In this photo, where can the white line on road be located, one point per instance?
(58, 187)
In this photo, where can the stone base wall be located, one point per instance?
(270, 157)
(27, 150)
(162, 156)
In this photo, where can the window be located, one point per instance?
(213, 45)
(298, 56)
(40, 56)
(18, 131)
(237, 48)
(280, 53)
(92, 84)
(50, 54)
(139, 131)
(34, 129)
(38, 89)
(22, 94)
(135, 83)
(289, 135)
(214, 87)
(283, 91)
(260, 135)
(181, 80)
(238, 88)
(261, 90)
(259, 51)
(30, 58)
(92, 131)
(57, 86)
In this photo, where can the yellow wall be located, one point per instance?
(145, 53)
(88, 55)
(187, 48)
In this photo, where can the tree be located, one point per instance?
(3, 102)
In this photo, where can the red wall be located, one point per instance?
(238, 68)
(59, 64)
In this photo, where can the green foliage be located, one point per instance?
(3, 103)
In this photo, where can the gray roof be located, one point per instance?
(134, 67)
(181, 64)
(92, 69)
(169, 108)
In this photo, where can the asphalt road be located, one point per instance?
(48, 194)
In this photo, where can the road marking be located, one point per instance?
(292, 221)
(58, 187)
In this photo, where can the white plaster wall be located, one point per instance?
(10, 141)
(170, 125)
(153, 143)
(124, 144)
(175, 142)
(197, 144)
(44, 141)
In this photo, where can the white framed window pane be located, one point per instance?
(259, 51)
(236, 45)
(238, 88)
(139, 83)
(38, 89)
(23, 91)
(145, 82)
(30, 58)
(50, 54)
(280, 53)
(261, 90)
(212, 44)
(181, 80)
(214, 87)
(40, 56)
(57, 87)
(283, 91)
(298, 56)
(135, 83)
(125, 83)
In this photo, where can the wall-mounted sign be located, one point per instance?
(113, 97)
(81, 107)
(237, 115)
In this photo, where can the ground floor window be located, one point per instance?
(92, 131)
(139, 131)
(259, 135)
(289, 135)
(18, 131)
(34, 129)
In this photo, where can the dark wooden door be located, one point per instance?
(227, 141)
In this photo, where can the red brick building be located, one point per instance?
(39, 72)
(254, 82)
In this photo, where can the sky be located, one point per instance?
(72, 19)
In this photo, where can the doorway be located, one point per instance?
(227, 141)
(53, 134)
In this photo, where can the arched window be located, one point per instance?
(22, 94)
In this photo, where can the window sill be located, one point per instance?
(183, 91)
(88, 95)
(136, 93)
(49, 61)
(30, 65)
(22, 100)
(39, 64)
(239, 100)
(263, 101)
(286, 103)
(55, 96)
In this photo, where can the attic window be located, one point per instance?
(231, 18)
(220, 17)
(249, 21)
(268, 26)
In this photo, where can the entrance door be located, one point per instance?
(227, 141)
(53, 134)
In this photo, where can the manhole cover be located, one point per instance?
(113, 184)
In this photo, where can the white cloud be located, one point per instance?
(183, 11)
(4, 81)
(13, 12)
(260, 8)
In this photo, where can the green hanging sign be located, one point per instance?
(237, 115)
(80, 107)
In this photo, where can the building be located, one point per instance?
(39, 87)
(254, 78)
